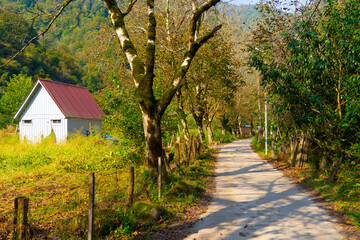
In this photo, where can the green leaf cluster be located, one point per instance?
(316, 74)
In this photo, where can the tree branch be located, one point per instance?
(150, 45)
(117, 21)
(196, 16)
(130, 6)
(65, 4)
(180, 74)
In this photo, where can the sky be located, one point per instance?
(239, 2)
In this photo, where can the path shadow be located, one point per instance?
(261, 206)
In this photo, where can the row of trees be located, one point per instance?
(309, 62)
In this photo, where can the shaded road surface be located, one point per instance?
(255, 201)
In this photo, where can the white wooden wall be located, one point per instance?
(41, 111)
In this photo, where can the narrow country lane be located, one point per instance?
(255, 201)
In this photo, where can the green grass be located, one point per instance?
(55, 178)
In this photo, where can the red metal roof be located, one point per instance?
(73, 101)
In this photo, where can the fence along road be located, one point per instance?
(255, 201)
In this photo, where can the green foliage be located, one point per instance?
(123, 118)
(40, 59)
(12, 96)
(311, 74)
(220, 137)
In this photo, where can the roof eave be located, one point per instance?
(23, 105)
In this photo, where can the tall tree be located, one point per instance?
(143, 68)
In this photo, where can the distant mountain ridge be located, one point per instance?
(55, 55)
(243, 15)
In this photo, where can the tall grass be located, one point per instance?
(55, 179)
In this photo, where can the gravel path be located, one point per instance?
(255, 201)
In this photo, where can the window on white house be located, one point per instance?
(27, 122)
(56, 121)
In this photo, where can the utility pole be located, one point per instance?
(266, 127)
(260, 130)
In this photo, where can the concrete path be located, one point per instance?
(255, 201)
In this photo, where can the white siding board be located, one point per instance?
(41, 110)
(42, 105)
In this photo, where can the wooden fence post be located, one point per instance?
(159, 178)
(21, 219)
(91, 206)
(131, 186)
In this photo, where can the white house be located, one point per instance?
(58, 107)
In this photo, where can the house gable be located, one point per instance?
(41, 105)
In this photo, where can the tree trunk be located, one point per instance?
(210, 133)
(184, 128)
(273, 143)
(302, 154)
(239, 124)
(223, 131)
(283, 146)
(294, 144)
(182, 116)
(224, 124)
(333, 175)
(200, 126)
(153, 140)
(323, 161)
